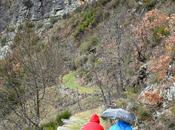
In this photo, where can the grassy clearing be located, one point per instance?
(70, 81)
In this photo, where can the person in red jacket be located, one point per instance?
(93, 124)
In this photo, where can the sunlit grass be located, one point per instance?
(70, 81)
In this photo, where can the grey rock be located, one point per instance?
(170, 93)
(38, 10)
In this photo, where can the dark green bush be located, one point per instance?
(149, 4)
(64, 115)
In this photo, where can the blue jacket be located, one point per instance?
(121, 125)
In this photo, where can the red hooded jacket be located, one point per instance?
(94, 124)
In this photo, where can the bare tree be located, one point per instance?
(29, 69)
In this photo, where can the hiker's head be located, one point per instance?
(95, 118)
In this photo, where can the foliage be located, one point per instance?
(113, 4)
(132, 3)
(131, 93)
(103, 2)
(53, 20)
(90, 18)
(159, 66)
(64, 115)
(156, 27)
(52, 125)
(170, 45)
(49, 126)
(87, 45)
(122, 103)
(10, 29)
(80, 60)
(151, 20)
(149, 4)
(160, 32)
(3, 41)
(28, 3)
(39, 25)
(142, 112)
(173, 109)
(48, 26)
(29, 24)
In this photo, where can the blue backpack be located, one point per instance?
(121, 125)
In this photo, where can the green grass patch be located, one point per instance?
(71, 82)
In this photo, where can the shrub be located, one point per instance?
(149, 4)
(3, 41)
(103, 2)
(29, 24)
(65, 16)
(132, 3)
(39, 25)
(131, 93)
(10, 29)
(20, 27)
(53, 20)
(88, 18)
(64, 115)
(48, 26)
(91, 17)
(160, 32)
(87, 45)
(113, 4)
(28, 3)
(81, 71)
(52, 125)
(122, 103)
(49, 126)
(173, 109)
(142, 112)
(80, 60)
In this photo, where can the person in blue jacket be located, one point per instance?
(121, 125)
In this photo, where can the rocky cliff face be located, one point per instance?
(14, 12)
(18, 10)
